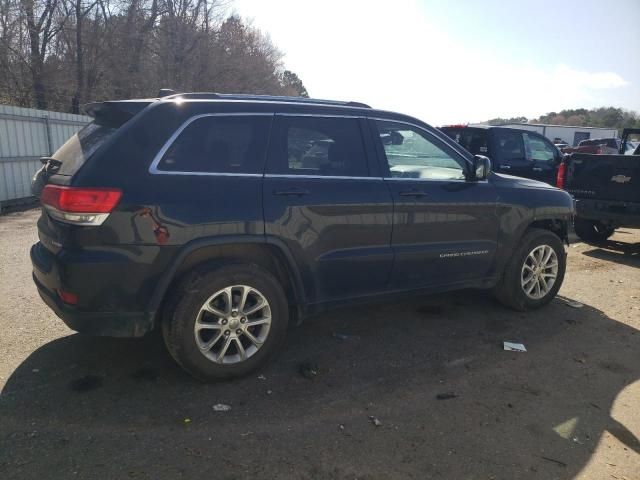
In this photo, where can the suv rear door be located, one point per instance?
(508, 153)
(325, 200)
(445, 227)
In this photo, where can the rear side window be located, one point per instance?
(474, 140)
(318, 146)
(509, 145)
(219, 144)
(81, 146)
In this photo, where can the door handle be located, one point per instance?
(413, 193)
(505, 167)
(537, 169)
(292, 192)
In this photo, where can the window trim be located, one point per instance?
(154, 170)
(429, 135)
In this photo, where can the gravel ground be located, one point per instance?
(78, 407)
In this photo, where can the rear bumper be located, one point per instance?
(618, 214)
(46, 276)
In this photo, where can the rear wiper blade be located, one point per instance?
(50, 164)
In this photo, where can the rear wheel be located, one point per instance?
(535, 272)
(592, 231)
(226, 322)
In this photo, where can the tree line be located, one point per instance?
(605, 117)
(60, 54)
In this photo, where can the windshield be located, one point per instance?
(81, 146)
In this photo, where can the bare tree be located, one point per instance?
(63, 53)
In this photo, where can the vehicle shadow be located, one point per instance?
(120, 408)
(617, 251)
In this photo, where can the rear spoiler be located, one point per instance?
(115, 113)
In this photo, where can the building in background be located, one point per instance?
(566, 134)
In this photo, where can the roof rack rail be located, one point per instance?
(264, 98)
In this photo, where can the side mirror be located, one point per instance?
(481, 167)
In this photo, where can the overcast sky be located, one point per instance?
(463, 60)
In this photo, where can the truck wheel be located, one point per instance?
(226, 322)
(592, 231)
(534, 273)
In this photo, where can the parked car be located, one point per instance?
(224, 218)
(518, 152)
(596, 146)
(606, 189)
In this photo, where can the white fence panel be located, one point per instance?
(26, 135)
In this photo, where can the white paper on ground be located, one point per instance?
(514, 347)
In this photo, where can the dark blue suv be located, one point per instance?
(224, 218)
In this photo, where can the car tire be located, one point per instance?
(189, 327)
(527, 267)
(592, 231)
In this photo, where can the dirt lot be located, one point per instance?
(80, 407)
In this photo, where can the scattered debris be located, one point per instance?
(221, 407)
(580, 359)
(514, 347)
(566, 429)
(595, 406)
(35, 370)
(573, 304)
(246, 434)
(553, 460)
(269, 392)
(261, 377)
(341, 427)
(375, 421)
(309, 370)
(344, 337)
(446, 396)
(187, 420)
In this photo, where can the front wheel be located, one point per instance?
(226, 322)
(535, 272)
(592, 231)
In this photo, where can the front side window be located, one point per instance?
(411, 153)
(537, 148)
(219, 144)
(322, 146)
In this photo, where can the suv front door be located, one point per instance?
(328, 203)
(445, 228)
(544, 156)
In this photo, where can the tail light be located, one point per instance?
(68, 297)
(79, 206)
(562, 172)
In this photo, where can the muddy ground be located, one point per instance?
(78, 407)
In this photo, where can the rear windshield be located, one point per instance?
(472, 139)
(81, 146)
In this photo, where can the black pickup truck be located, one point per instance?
(606, 189)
